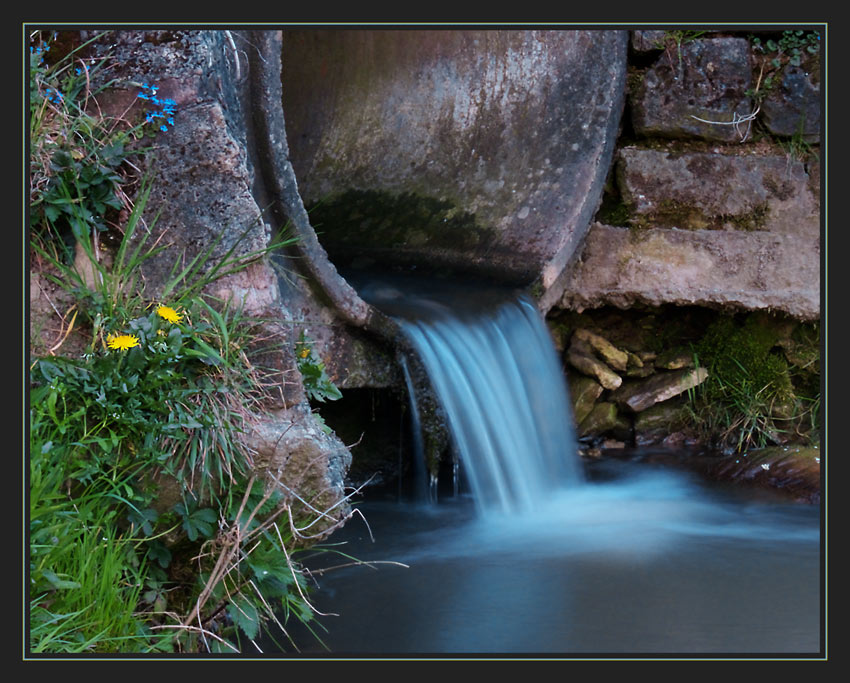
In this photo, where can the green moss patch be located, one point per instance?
(754, 397)
(370, 219)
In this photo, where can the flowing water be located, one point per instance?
(542, 554)
(499, 381)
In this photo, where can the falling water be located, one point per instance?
(421, 487)
(494, 369)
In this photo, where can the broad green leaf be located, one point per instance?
(245, 616)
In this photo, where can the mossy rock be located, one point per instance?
(741, 355)
(584, 392)
(605, 419)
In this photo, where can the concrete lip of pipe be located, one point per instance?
(482, 151)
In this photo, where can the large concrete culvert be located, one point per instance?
(482, 151)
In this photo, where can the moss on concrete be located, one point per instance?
(375, 219)
(672, 213)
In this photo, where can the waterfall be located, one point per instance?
(421, 486)
(495, 371)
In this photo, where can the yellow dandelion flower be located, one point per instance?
(169, 314)
(122, 341)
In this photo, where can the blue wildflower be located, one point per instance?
(166, 106)
(37, 52)
(53, 95)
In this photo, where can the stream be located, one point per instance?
(639, 561)
(542, 552)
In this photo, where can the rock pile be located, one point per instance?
(626, 395)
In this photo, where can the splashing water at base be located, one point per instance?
(548, 555)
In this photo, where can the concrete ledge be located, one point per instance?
(726, 269)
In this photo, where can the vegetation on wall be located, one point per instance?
(763, 385)
(149, 531)
(791, 48)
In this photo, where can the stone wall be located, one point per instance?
(699, 220)
(696, 210)
(714, 195)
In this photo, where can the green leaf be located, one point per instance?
(143, 519)
(159, 552)
(56, 582)
(205, 352)
(322, 423)
(198, 522)
(51, 212)
(245, 616)
(218, 647)
(136, 359)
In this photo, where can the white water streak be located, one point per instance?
(502, 387)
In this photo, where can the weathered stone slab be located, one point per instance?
(794, 470)
(795, 107)
(657, 422)
(605, 418)
(639, 396)
(674, 360)
(584, 391)
(637, 367)
(719, 191)
(705, 78)
(643, 371)
(580, 356)
(610, 354)
(202, 189)
(635, 361)
(648, 40)
(647, 356)
(294, 449)
(732, 269)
